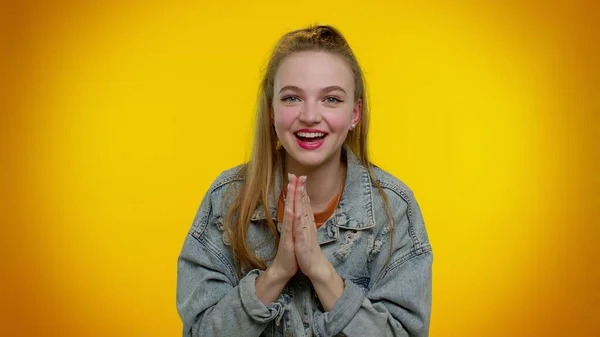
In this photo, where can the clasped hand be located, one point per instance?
(298, 244)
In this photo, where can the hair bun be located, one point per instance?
(327, 33)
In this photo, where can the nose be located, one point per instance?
(309, 114)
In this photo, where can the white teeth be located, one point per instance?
(310, 134)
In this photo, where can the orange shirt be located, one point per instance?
(320, 217)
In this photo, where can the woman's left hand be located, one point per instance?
(309, 256)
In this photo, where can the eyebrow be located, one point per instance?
(324, 90)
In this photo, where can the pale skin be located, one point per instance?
(299, 250)
(313, 90)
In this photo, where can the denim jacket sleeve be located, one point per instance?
(398, 299)
(210, 299)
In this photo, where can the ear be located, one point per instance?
(356, 113)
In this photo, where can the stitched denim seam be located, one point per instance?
(403, 259)
(318, 328)
(203, 221)
(409, 210)
(217, 254)
(226, 180)
(367, 182)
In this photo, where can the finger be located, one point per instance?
(289, 206)
(308, 208)
(306, 201)
(304, 194)
(298, 182)
(298, 207)
(302, 182)
(292, 194)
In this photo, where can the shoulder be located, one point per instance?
(225, 186)
(227, 177)
(213, 201)
(404, 207)
(393, 186)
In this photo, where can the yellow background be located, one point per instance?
(117, 115)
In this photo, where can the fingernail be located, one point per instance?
(289, 176)
(303, 179)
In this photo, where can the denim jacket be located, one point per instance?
(381, 297)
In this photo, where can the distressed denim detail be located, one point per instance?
(373, 247)
(343, 251)
(221, 227)
(362, 282)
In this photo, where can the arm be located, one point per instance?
(388, 309)
(209, 304)
(270, 284)
(210, 301)
(398, 301)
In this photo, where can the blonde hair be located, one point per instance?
(259, 172)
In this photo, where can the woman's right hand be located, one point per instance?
(285, 261)
(270, 283)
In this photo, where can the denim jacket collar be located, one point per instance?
(355, 210)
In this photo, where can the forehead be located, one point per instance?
(314, 70)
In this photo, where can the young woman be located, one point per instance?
(308, 238)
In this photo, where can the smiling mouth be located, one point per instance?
(309, 137)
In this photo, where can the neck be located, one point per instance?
(323, 182)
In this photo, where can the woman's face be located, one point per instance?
(314, 106)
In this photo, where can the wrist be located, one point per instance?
(269, 285)
(328, 285)
(276, 276)
(323, 274)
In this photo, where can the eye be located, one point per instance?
(332, 99)
(290, 99)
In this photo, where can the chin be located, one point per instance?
(310, 158)
(309, 162)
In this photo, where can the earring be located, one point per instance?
(352, 126)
